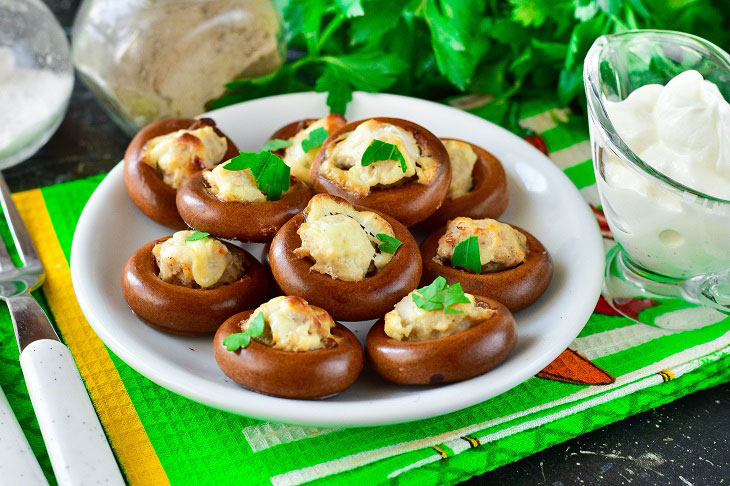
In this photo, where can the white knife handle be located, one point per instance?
(77, 446)
(18, 464)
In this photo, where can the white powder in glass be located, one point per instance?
(30, 101)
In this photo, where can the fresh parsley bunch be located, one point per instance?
(504, 49)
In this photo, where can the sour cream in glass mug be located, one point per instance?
(660, 134)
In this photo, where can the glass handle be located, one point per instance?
(712, 290)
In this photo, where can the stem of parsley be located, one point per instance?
(332, 26)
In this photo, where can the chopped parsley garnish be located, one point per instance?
(315, 140)
(270, 172)
(389, 244)
(234, 342)
(378, 150)
(466, 255)
(275, 144)
(197, 235)
(440, 296)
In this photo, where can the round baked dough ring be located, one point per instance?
(186, 311)
(515, 287)
(361, 300)
(457, 357)
(244, 221)
(488, 197)
(144, 185)
(409, 203)
(317, 373)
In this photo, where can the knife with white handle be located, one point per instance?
(18, 464)
(76, 444)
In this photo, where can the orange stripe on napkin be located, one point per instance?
(116, 411)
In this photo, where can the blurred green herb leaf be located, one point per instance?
(315, 139)
(234, 342)
(275, 144)
(197, 235)
(239, 340)
(436, 49)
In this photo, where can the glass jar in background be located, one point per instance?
(150, 59)
(673, 240)
(36, 78)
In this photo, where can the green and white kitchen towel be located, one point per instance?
(614, 369)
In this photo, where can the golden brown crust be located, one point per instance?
(515, 287)
(347, 301)
(488, 197)
(447, 359)
(244, 221)
(409, 203)
(310, 374)
(186, 311)
(144, 185)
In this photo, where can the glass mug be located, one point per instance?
(673, 242)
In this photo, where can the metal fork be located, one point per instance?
(76, 444)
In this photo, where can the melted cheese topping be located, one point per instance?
(343, 162)
(500, 245)
(300, 161)
(205, 263)
(291, 324)
(408, 322)
(462, 158)
(179, 154)
(233, 185)
(341, 240)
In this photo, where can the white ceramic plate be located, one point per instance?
(542, 200)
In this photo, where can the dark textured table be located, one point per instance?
(686, 442)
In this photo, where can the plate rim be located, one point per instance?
(324, 412)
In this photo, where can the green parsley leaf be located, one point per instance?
(256, 326)
(381, 16)
(466, 255)
(378, 150)
(315, 140)
(197, 235)
(435, 49)
(334, 82)
(367, 72)
(426, 304)
(454, 295)
(275, 144)
(531, 12)
(440, 296)
(449, 46)
(270, 172)
(430, 291)
(389, 244)
(350, 8)
(234, 342)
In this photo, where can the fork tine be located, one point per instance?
(17, 227)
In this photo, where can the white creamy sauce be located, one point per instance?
(683, 131)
